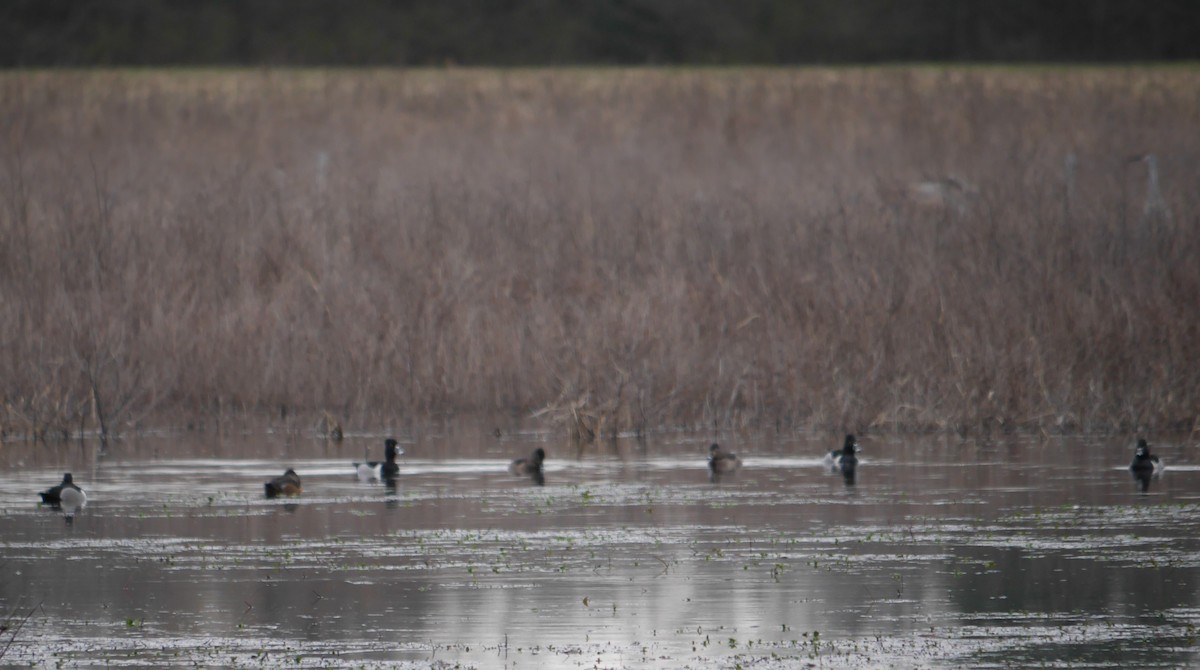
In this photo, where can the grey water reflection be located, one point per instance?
(941, 554)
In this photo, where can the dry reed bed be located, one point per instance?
(632, 249)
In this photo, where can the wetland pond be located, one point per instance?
(1028, 552)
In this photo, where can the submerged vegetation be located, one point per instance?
(907, 248)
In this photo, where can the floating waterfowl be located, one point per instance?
(530, 467)
(66, 495)
(847, 452)
(721, 462)
(1144, 461)
(287, 484)
(385, 470)
(844, 460)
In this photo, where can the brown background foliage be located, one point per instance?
(891, 247)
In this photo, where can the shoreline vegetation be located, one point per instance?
(606, 250)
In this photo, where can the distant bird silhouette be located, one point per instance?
(844, 460)
(287, 484)
(847, 452)
(1145, 465)
(948, 192)
(530, 467)
(1155, 206)
(66, 495)
(1144, 461)
(385, 470)
(721, 462)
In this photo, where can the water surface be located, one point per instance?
(943, 553)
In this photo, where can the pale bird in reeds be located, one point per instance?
(1155, 206)
(950, 192)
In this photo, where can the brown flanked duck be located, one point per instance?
(721, 462)
(287, 484)
(530, 467)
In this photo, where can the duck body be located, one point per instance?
(287, 484)
(844, 460)
(721, 462)
(1143, 461)
(66, 494)
(846, 456)
(530, 467)
(385, 470)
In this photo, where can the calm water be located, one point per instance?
(944, 554)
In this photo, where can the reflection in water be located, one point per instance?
(1143, 479)
(848, 473)
(981, 559)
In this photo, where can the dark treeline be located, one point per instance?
(558, 32)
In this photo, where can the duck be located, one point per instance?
(287, 484)
(1144, 461)
(530, 467)
(844, 460)
(66, 495)
(721, 462)
(386, 470)
(846, 454)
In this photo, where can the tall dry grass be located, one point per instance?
(628, 249)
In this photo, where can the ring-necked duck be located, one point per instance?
(530, 467)
(287, 484)
(66, 495)
(844, 460)
(721, 462)
(383, 470)
(846, 454)
(1144, 461)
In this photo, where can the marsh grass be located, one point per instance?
(898, 248)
